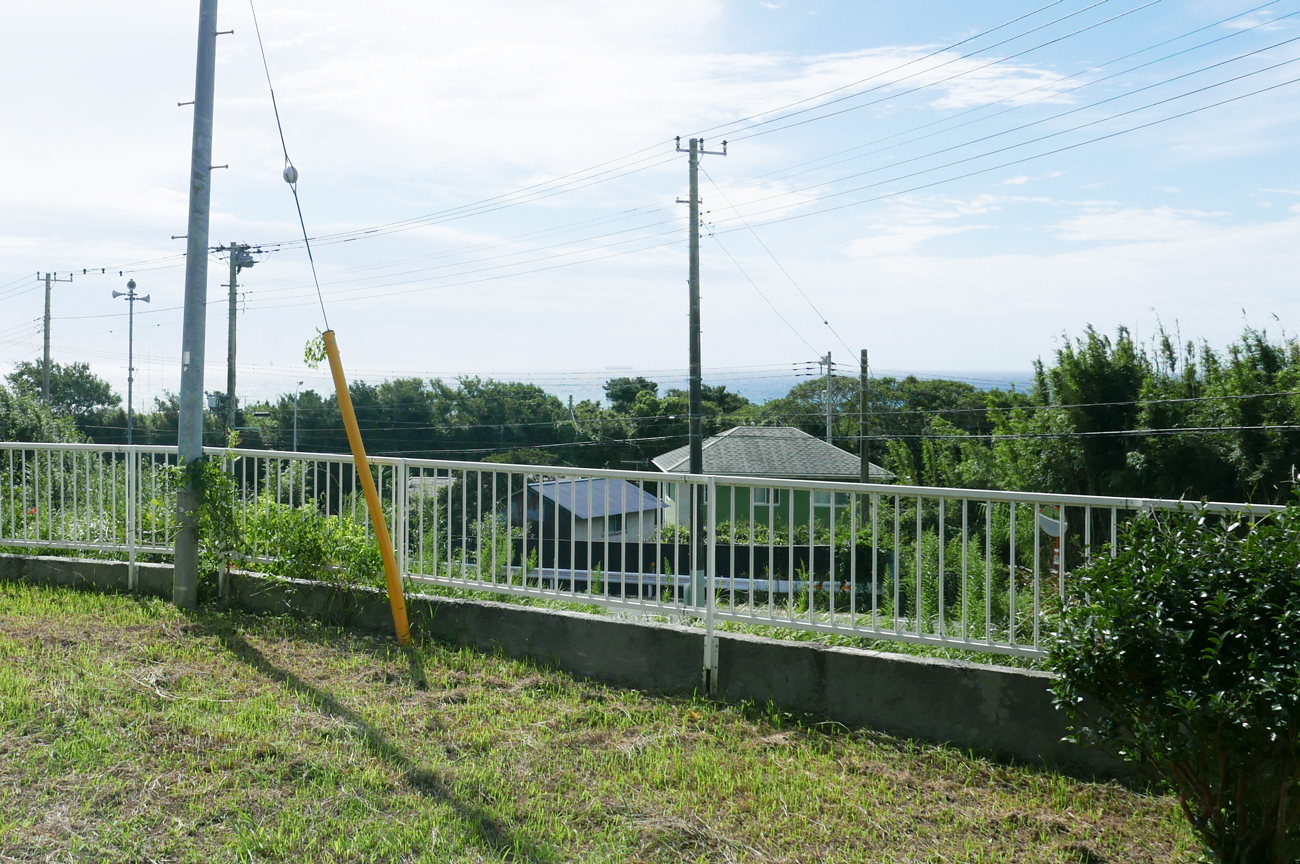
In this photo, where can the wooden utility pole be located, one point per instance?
(830, 369)
(239, 259)
(864, 435)
(50, 278)
(695, 430)
(695, 427)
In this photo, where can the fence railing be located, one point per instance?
(977, 570)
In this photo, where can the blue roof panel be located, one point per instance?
(599, 496)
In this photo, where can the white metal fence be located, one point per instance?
(968, 569)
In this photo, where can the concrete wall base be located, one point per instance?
(1005, 713)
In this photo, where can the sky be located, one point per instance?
(492, 187)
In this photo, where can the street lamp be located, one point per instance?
(295, 416)
(131, 297)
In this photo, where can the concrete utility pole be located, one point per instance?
(863, 435)
(185, 583)
(45, 368)
(131, 297)
(829, 370)
(239, 259)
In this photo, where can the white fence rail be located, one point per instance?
(969, 569)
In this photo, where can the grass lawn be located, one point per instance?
(130, 731)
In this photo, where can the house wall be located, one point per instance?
(636, 526)
(734, 505)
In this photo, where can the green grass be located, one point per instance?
(130, 731)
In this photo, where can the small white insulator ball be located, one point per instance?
(290, 174)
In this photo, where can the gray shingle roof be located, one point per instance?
(772, 451)
(600, 496)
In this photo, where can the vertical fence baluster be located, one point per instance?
(965, 566)
(943, 566)
(1011, 582)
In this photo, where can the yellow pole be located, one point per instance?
(391, 576)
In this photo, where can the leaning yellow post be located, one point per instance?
(391, 576)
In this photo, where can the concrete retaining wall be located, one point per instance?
(1001, 712)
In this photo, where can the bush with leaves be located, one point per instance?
(215, 525)
(1189, 639)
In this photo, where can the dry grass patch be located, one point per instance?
(132, 732)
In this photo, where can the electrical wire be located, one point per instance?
(784, 320)
(1071, 111)
(934, 53)
(290, 172)
(1025, 159)
(942, 81)
(785, 172)
(781, 266)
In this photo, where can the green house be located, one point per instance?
(782, 452)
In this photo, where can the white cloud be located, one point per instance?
(1135, 224)
(894, 240)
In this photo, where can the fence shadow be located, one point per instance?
(481, 823)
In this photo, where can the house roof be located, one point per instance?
(772, 451)
(599, 496)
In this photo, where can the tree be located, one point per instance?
(622, 392)
(74, 389)
(24, 418)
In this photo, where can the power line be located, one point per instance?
(784, 320)
(1052, 95)
(1025, 159)
(944, 80)
(923, 58)
(802, 293)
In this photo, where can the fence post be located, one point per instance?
(711, 563)
(401, 518)
(132, 484)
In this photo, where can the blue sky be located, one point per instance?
(404, 110)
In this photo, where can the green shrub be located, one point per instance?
(1189, 639)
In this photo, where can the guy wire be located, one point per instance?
(288, 163)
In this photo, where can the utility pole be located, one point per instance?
(864, 435)
(239, 259)
(295, 412)
(695, 427)
(131, 297)
(696, 408)
(829, 369)
(45, 369)
(185, 582)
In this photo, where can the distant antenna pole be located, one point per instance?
(45, 367)
(193, 337)
(827, 361)
(863, 434)
(131, 298)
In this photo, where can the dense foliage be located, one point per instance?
(1189, 639)
(1107, 415)
(23, 417)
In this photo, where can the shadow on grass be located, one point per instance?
(480, 822)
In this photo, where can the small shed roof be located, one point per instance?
(598, 496)
(772, 451)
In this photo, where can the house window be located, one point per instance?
(614, 524)
(823, 499)
(765, 497)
